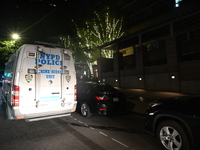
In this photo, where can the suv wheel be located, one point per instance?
(171, 135)
(85, 110)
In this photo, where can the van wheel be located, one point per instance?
(85, 110)
(8, 113)
(171, 135)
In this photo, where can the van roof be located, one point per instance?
(54, 45)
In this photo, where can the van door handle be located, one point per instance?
(55, 93)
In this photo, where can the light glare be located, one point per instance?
(15, 36)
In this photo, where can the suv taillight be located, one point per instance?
(103, 98)
(15, 95)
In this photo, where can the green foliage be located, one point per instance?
(98, 30)
(7, 48)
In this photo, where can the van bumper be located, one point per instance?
(47, 117)
(42, 116)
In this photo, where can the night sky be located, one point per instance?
(40, 21)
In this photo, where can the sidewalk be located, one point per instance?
(139, 99)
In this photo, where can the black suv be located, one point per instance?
(175, 122)
(99, 97)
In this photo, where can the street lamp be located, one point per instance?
(15, 36)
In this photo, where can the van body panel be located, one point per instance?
(46, 79)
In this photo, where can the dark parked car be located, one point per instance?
(175, 122)
(98, 97)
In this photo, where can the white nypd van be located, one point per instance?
(40, 83)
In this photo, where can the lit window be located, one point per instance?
(54, 5)
(173, 77)
(177, 2)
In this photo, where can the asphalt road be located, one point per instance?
(122, 131)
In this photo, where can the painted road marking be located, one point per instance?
(101, 133)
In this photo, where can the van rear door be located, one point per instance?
(48, 80)
(43, 86)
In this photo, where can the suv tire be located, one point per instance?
(85, 110)
(171, 135)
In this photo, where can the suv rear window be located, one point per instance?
(104, 87)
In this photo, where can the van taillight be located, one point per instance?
(75, 93)
(15, 96)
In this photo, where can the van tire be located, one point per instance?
(85, 110)
(8, 113)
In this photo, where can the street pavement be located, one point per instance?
(139, 99)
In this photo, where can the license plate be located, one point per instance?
(116, 99)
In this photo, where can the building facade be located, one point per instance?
(162, 52)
